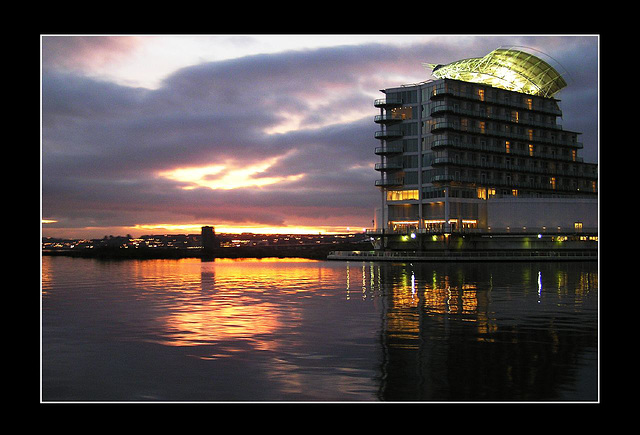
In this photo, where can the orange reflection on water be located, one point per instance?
(238, 302)
(212, 322)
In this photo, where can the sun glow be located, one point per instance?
(227, 176)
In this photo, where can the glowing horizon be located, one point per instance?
(144, 229)
(254, 229)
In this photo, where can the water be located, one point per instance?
(304, 330)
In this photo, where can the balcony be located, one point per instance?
(388, 149)
(442, 125)
(499, 98)
(386, 119)
(552, 140)
(554, 170)
(450, 143)
(386, 134)
(445, 106)
(389, 182)
(387, 102)
(511, 184)
(388, 166)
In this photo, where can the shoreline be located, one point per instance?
(115, 253)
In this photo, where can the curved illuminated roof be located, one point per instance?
(505, 68)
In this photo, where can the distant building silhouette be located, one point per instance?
(209, 240)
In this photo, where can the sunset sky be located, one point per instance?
(266, 133)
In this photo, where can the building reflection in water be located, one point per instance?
(495, 332)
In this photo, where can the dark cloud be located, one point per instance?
(104, 144)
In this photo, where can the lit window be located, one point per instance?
(401, 195)
(577, 225)
(507, 147)
(469, 223)
(530, 150)
(529, 103)
(481, 94)
(552, 181)
(402, 113)
(514, 192)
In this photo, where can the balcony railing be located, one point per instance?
(447, 142)
(446, 106)
(531, 185)
(386, 102)
(385, 134)
(388, 166)
(457, 126)
(511, 167)
(388, 149)
(487, 98)
(386, 119)
(387, 182)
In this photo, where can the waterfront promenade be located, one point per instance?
(464, 256)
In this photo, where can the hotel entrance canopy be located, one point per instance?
(505, 68)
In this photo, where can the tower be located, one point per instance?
(209, 241)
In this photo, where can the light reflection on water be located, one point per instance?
(293, 329)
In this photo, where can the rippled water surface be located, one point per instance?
(305, 330)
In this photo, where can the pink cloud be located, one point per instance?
(86, 52)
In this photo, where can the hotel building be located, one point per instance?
(479, 149)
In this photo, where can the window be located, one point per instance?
(481, 94)
(411, 177)
(529, 102)
(552, 181)
(402, 113)
(482, 193)
(577, 226)
(530, 150)
(410, 161)
(507, 147)
(401, 195)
